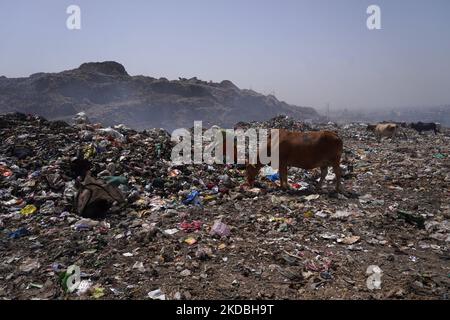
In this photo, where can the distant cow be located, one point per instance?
(386, 130)
(420, 126)
(401, 124)
(306, 150)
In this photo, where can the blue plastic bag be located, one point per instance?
(273, 177)
(19, 233)
(193, 198)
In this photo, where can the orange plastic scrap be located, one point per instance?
(174, 173)
(190, 240)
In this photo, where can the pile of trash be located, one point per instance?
(279, 122)
(108, 203)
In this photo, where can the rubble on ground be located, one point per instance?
(196, 232)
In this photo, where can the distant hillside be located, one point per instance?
(110, 95)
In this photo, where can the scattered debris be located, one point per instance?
(220, 229)
(156, 295)
(412, 218)
(196, 231)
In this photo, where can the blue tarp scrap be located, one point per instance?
(193, 198)
(273, 177)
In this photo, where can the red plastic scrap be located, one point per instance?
(191, 226)
(210, 185)
(4, 171)
(224, 190)
(311, 266)
(324, 266)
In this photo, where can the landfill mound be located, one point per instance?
(196, 232)
(109, 95)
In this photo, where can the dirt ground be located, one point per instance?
(296, 244)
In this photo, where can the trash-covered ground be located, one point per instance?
(196, 232)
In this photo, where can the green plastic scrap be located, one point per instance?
(116, 180)
(412, 218)
(439, 156)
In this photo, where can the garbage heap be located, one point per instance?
(197, 232)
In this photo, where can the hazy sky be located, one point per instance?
(307, 52)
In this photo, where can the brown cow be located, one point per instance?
(306, 150)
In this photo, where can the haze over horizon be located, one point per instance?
(307, 53)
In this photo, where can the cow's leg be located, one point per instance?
(323, 174)
(283, 176)
(337, 172)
